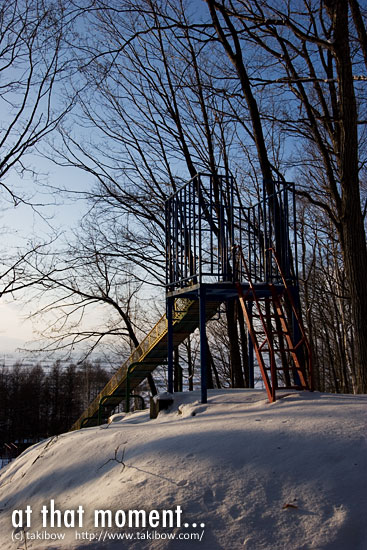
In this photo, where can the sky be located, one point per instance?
(23, 223)
(14, 329)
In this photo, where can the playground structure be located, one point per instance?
(219, 250)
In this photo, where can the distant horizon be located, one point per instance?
(30, 360)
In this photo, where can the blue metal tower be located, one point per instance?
(218, 249)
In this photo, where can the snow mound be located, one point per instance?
(116, 417)
(245, 474)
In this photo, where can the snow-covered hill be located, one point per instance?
(237, 473)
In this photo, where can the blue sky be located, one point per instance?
(23, 223)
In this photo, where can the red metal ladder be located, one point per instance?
(271, 336)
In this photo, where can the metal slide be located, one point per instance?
(151, 353)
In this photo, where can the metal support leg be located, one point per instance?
(203, 366)
(127, 396)
(169, 314)
(250, 350)
(129, 375)
(100, 407)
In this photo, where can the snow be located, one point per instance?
(289, 475)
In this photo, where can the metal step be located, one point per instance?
(151, 353)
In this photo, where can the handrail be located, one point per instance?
(156, 333)
(198, 175)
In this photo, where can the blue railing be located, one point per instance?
(206, 221)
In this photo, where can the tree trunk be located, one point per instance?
(353, 238)
(244, 345)
(190, 365)
(209, 367)
(355, 260)
(234, 348)
(177, 380)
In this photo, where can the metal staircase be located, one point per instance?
(204, 220)
(151, 353)
(284, 357)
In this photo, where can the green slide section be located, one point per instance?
(151, 353)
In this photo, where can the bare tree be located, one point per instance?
(259, 90)
(33, 64)
(310, 63)
(85, 295)
(327, 302)
(34, 61)
(156, 121)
